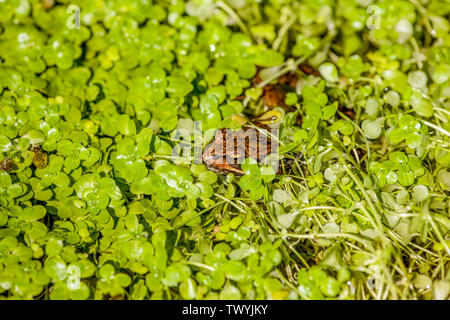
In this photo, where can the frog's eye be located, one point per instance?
(269, 117)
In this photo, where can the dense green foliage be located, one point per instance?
(106, 211)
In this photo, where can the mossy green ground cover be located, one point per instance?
(103, 91)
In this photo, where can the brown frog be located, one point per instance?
(229, 148)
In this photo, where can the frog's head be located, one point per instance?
(269, 118)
